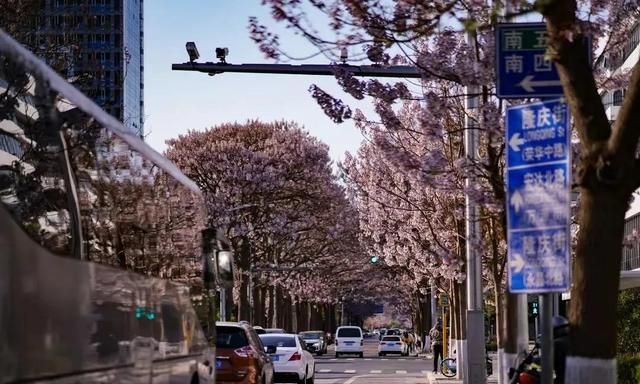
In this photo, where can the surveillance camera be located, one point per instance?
(192, 50)
(221, 54)
(344, 55)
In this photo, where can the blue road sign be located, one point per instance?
(522, 68)
(538, 197)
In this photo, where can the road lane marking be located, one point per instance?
(324, 370)
(375, 371)
(350, 371)
(425, 372)
(368, 359)
(401, 372)
(384, 359)
(350, 359)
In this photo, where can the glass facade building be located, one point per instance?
(103, 44)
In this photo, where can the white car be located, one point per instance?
(292, 361)
(349, 340)
(392, 344)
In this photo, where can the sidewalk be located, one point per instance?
(438, 378)
(433, 378)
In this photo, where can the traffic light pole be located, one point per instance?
(395, 71)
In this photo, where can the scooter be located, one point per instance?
(529, 369)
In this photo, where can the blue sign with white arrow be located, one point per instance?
(523, 69)
(538, 197)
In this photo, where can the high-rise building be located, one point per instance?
(102, 46)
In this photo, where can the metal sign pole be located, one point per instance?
(546, 312)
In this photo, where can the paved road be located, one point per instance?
(371, 369)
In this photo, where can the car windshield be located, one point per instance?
(311, 335)
(231, 337)
(349, 332)
(391, 338)
(278, 340)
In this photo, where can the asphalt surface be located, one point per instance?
(371, 369)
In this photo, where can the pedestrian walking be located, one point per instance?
(436, 344)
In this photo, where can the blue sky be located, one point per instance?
(178, 101)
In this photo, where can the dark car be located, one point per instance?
(315, 341)
(240, 355)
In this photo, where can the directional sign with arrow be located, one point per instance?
(515, 142)
(522, 64)
(517, 263)
(516, 201)
(529, 84)
(538, 196)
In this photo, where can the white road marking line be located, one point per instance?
(425, 372)
(324, 370)
(375, 371)
(368, 359)
(334, 359)
(401, 372)
(350, 359)
(402, 359)
(350, 371)
(384, 359)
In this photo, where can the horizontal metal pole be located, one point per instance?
(279, 269)
(405, 71)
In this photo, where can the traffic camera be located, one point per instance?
(192, 51)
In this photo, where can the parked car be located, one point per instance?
(240, 355)
(349, 340)
(275, 330)
(392, 344)
(291, 360)
(259, 330)
(315, 341)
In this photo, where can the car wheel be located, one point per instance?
(337, 355)
(304, 379)
(361, 355)
(380, 354)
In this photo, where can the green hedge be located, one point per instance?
(629, 369)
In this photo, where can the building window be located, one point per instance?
(618, 96)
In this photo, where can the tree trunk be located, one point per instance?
(501, 334)
(596, 275)
(273, 307)
(243, 303)
(294, 315)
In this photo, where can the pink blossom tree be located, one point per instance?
(270, 186)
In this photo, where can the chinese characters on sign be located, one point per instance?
(524, 70)
(538, 204)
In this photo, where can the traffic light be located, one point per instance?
(373, 259)
(533, 309)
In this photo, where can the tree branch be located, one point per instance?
(569, 52)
